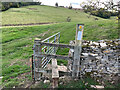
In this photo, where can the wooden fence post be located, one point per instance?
(38, 50)
(55, 73)
(77, 50)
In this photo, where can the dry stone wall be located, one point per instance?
(100, 59)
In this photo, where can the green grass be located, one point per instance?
(19, 49)
(41, 85)
(79, 83)
(17, 42)
(40, 14)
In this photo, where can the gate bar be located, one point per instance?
(55, 56)
(53, 44)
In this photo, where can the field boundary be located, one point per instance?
(28, 24)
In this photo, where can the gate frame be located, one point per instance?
(77, 50)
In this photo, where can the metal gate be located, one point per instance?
(40, 63)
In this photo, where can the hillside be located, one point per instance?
(42, 14)
(17, 42)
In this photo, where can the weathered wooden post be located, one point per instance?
(77, 50)
(55, 73)
(119, 18)
(38, 51)
(33, 68)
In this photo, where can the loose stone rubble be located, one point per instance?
(46, 81)
(100, 59)
(97, 86)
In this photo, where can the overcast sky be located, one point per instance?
(75, 3)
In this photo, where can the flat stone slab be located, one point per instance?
(97, 86)
(62, 68)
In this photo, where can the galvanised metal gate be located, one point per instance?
(40, 63)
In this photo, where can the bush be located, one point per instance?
(70, 7)
(101, 13)
(7, 5)
(85, 11)
(3, 8)
(106, 15)
(98, 12)
(118, 17)
(68, 19)
(14, 5)
(114, 13)
(94, 13)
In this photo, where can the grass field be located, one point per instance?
(17, 42)
(40, 14)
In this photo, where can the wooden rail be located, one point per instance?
(53, 44)
(55, 56)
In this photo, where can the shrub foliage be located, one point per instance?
(7, 5)
(101, 12)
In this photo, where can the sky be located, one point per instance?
(75, 3)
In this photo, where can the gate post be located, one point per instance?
(77, 50)
(55, 73)
(38, 61)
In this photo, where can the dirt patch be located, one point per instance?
(45, 33)
(29, 62)
(42, 34)
(12, 63)
(29, 24)
(32, 8)
(26, 83)
(22, 76)
(15, 11)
